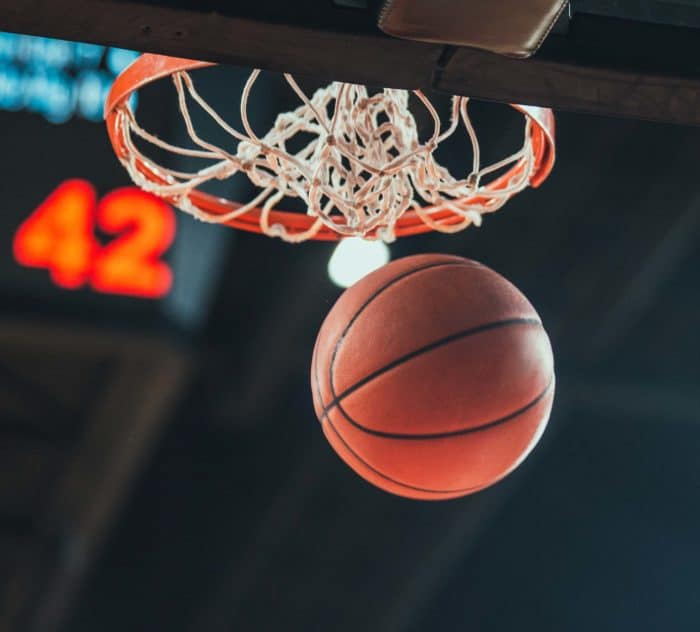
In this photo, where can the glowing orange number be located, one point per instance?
(59, 236)
(131, 263)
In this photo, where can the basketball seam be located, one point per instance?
(425, 490)
(426, 349)
(452, 433)
(388, 284)
(316, 385)
(368, 301)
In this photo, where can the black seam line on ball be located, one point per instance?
(452, 433)
(464, 490)
(466, 333)
(387, 285)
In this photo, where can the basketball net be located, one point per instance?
(361, 168)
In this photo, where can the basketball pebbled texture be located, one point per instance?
(432, 377)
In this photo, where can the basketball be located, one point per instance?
(432, 377)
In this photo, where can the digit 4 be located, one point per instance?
(59, 235)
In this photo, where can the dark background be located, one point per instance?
(240, 516)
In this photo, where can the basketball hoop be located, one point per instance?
(365, 173)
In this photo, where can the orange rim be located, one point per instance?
(149, 68)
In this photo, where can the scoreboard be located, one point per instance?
(60, 237)
(77, 239)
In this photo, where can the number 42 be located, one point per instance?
(60, 236)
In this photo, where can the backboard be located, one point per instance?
(627, 59)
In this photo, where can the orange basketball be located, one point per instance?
(432, 377)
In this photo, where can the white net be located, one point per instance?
(362, 168)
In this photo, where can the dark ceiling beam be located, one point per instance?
(572, 76)
(243, 576)
(33, 396)
(683, 13)
(568, 86)
(213, 36)
(124, 426)
(130, 407)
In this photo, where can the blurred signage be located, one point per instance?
(57, 79)
(113, 245)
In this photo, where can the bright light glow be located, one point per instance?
(354, 258)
